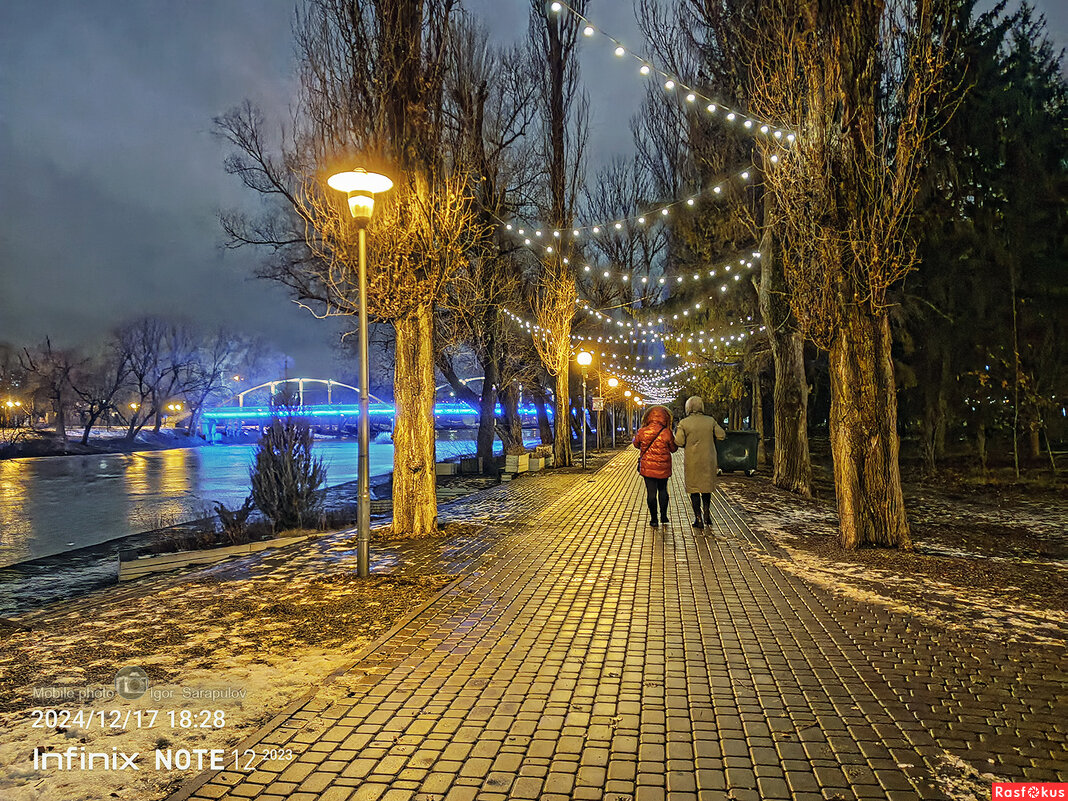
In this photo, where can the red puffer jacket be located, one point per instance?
(657, 442)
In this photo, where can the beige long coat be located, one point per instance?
(697, 435)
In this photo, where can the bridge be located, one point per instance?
(330, 402)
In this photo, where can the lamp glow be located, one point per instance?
(584, 358)
(361, 187)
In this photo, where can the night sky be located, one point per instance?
(111, 179)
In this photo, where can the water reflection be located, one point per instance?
(51, 505)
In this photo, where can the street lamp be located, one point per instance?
(584, 359)
(361, 187)
(613, 382)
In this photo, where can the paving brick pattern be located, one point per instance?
(584, 655)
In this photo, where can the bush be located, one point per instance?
(286, 480)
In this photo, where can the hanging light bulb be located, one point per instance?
(620, 52)
(587, 31)
(556, 8)
(644, 69)
(691, 97)
(669, 84)
(711, 108)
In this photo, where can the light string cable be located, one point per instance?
(673, 84)
(744, 261)
(533, 233)
(735, 332)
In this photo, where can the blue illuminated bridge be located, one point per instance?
(332, 402)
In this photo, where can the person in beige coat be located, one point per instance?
(696, 435)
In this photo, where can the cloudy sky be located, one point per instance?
(111, 179)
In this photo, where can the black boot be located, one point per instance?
(695, 502)
(706, 501)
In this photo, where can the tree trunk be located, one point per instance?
(942, 416)
(415, 507)
(756, 418)
(980, 444)
(864, 439)
(61, 418)
(792, 469)
(512, 435)
(487, 415)
(1034, 442)
(562, 419)
(545, 429)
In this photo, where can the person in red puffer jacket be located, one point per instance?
(656, 443)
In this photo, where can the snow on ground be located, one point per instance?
(1002, 594)
(264, 629)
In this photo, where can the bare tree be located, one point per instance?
(708, 42)
(97, 382)
(50, 368)
(160, 356)
(564, 122)
(856, 82)
(489, 102)
(372, 82)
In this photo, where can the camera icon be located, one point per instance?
(131, 682)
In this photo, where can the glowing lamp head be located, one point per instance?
(584, 358)
(361, 187)
(626, 393)
(613, 382)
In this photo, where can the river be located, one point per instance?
(54, 505)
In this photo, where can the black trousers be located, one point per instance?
(699, 502)
(656, 491)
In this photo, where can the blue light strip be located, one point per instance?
(342, 410)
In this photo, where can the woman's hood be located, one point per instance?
(658, 415)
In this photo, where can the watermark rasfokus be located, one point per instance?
(1029, 791)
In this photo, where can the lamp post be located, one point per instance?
(361, 186)
(613, 382)
(584, 359)
(627, 407)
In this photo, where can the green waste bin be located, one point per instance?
(738, 452)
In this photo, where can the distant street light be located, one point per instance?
(584, 360)
(613, 382)
(361, 187)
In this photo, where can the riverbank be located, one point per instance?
(25, 443)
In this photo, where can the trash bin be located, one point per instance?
(738, 452)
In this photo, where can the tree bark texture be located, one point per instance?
(792, 469)
(487, 417)
(756, 418)
(545, 429)
(864, 438)
(562, 420)
(512, 422)
(415, 506)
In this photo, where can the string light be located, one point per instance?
(642, 281)
(522, 228)
(672, 81)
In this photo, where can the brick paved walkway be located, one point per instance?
(585, 655)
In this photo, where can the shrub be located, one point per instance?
(235, 521)
(286, 478)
